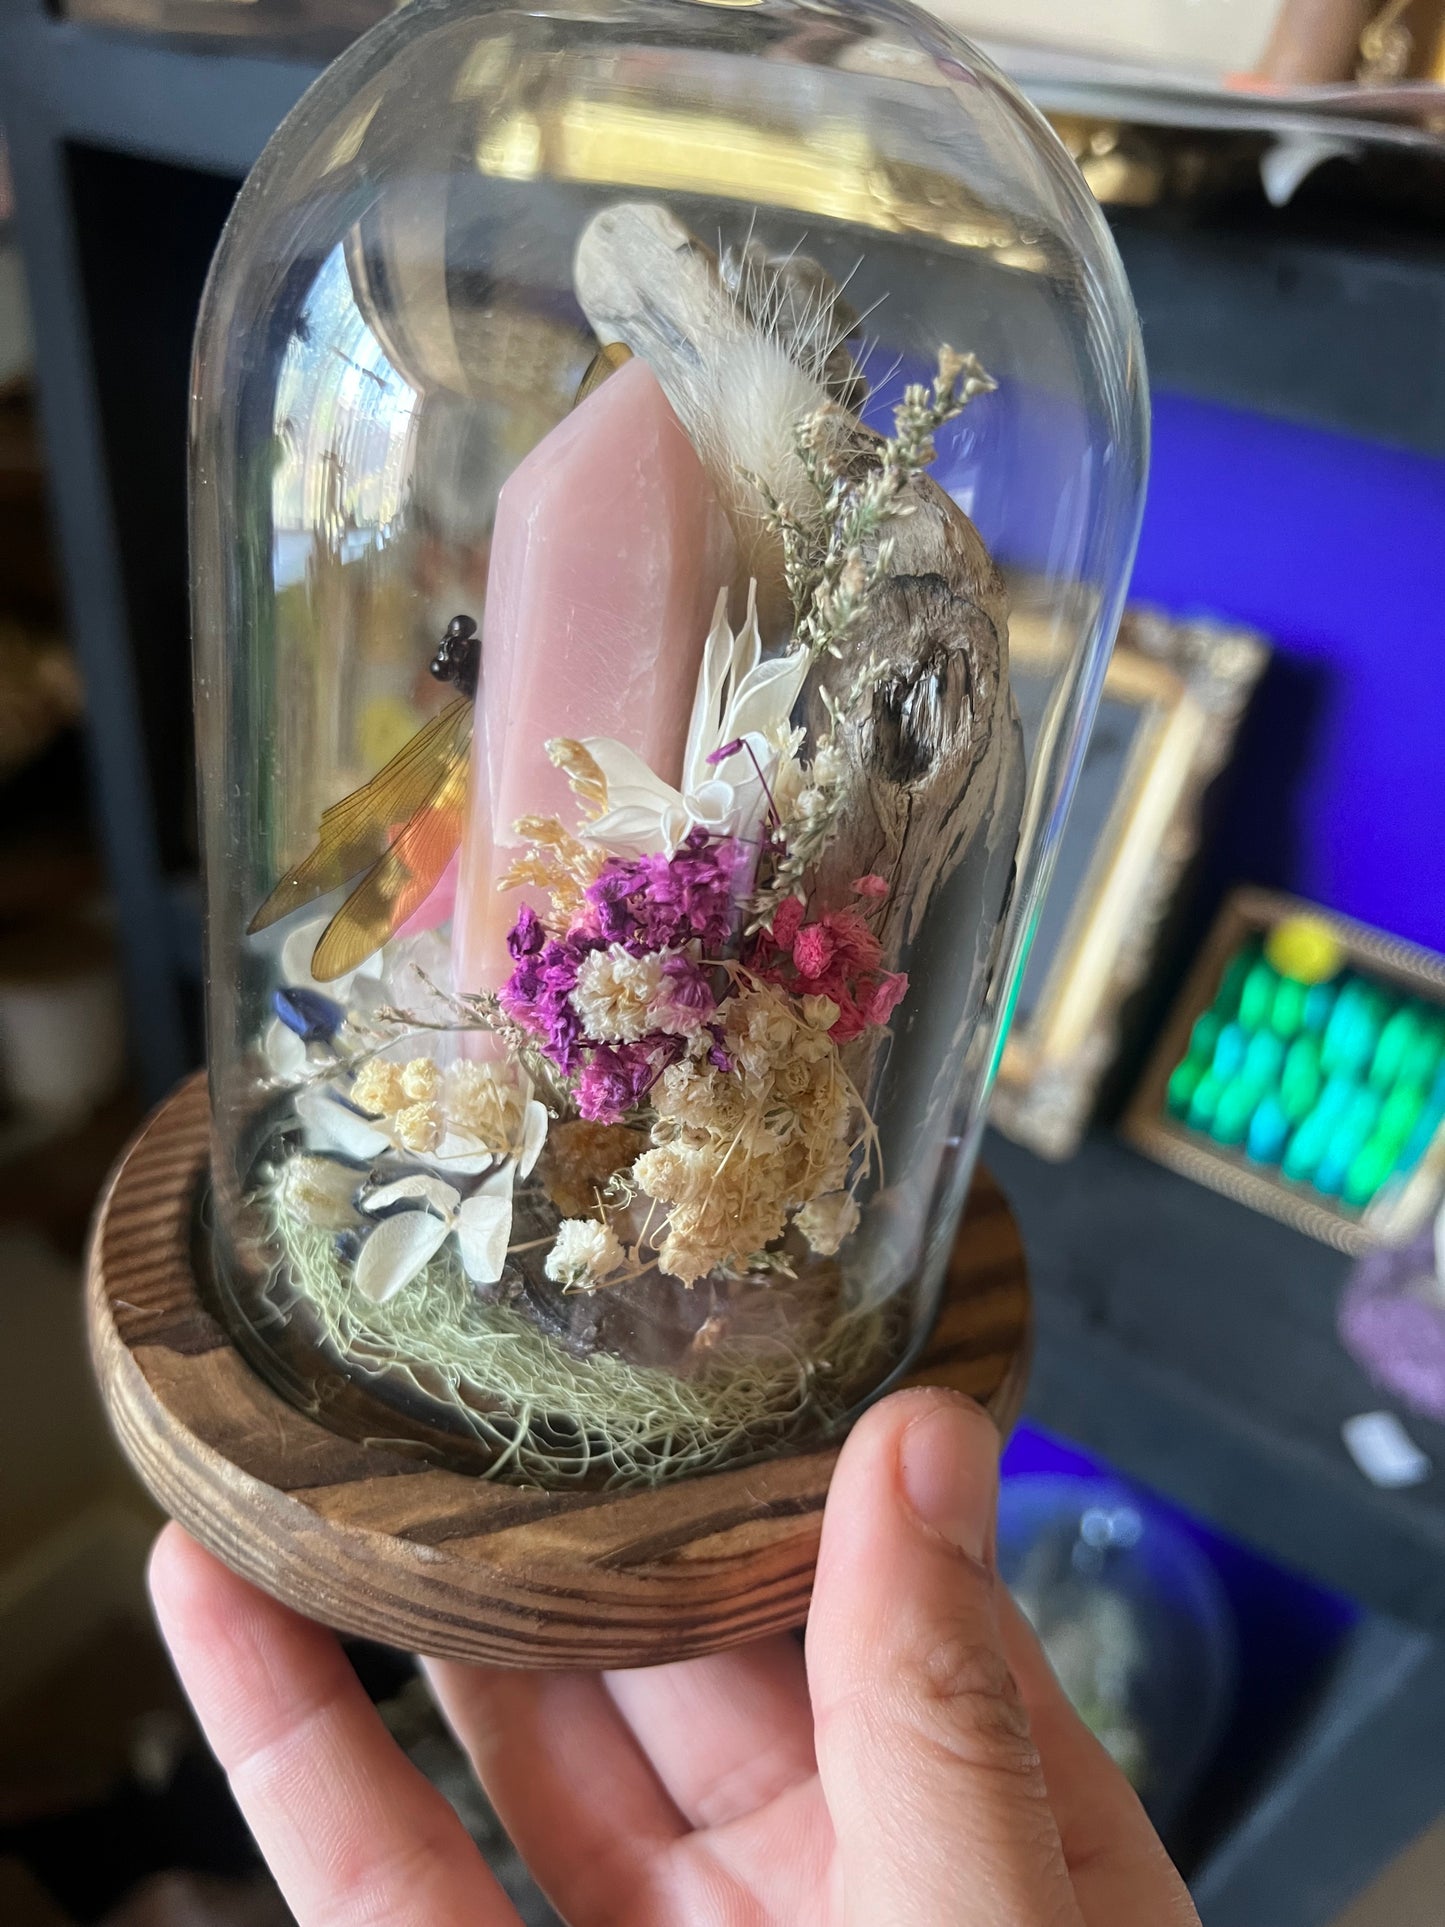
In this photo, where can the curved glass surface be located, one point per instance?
(621, 435)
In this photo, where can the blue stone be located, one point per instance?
(314, 1018)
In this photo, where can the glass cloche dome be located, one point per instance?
(625, 435)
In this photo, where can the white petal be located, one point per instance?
(714, 803)
(763, 700)
(459, 1155)
(676, 822)
(320, 1191)
(624, 769)
(629, 832)
(712, 684)
(484, 1228)
(396, 1252)
(750, 644)
(534, 1136)
(283, 1050)
(297, 952)
(442, 1197)
(331, 1126)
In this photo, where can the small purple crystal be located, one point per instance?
(1392, 1320)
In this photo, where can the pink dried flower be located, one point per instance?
(885, 997)
(786, 922)
(870, 886)
(813, 950)
(837, 957)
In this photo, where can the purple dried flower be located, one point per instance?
(721, 755)
(618, 1076)
(664, 903)
(526, 936)
(687, 985)
(538, 995)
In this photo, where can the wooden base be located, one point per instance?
(357, 1535)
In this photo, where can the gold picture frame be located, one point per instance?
(1405, 1205)
(1173, 696)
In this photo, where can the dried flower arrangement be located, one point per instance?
(667, 1084)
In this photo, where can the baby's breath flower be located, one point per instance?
(734, 1152)
(827, 1220)
(420, 1080)
(420, 1127)
(584, 1254)
(820, 1012)
(377, 1088)
(485, 1102)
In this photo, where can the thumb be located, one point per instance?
(932, 1779)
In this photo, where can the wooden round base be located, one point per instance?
(358, 1536)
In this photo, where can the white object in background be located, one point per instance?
(1216, 36)
(1384, 1451)
(62, 1042)
(1290, 161)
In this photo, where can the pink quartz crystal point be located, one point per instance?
(609, 549)
(439, 906)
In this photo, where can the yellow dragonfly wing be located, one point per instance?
(396, 827)
(399, 884)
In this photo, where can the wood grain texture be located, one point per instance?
(361, 1537)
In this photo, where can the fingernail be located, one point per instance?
(948, 1467)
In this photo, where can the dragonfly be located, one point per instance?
(401, 829)
(404, 826)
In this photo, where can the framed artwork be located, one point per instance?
(1172, 702)
(1302, 1072)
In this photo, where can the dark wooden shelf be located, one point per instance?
(1192, 1343)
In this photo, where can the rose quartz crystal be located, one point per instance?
(609, 550)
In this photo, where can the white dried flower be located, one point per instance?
(377, 1088)
(614, 992)
(421, 1080)
(485, 1101)
(738, 736)
(319, 1191)
(733, 1153)
(826, 1221)
(820, 1012)
(419, 1127)
(585, 1254)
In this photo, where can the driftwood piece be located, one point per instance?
(924, 744)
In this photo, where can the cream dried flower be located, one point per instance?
(419, 1127)
(821, 1013)
(738, 738)
(584, 1255)
(319, 1191)
(735, 1152)
(827, 1220)
(614, 993)
(421, 1080)
(485, 1102)
(377, 1088)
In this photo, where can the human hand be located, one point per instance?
(924, 1770)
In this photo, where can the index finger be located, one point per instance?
(353, 1833)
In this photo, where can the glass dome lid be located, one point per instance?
(625, 439)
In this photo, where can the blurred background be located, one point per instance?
(1221, 1118)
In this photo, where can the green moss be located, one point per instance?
(550, 1417)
